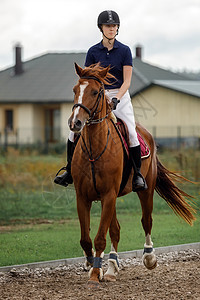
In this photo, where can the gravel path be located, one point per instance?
(177, 276)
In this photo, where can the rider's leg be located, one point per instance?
(138, 183)
(66, 178)
(124, 111)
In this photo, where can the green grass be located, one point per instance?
(59, 203)
(25, 244)
(21, 206)
(59, 237)
(41, 218)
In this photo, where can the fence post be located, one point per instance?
(46, 140)
(5, 139)
(154, 132)
(178, 137)
(17, 141)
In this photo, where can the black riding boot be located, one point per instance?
(139, 183)
(66, 177)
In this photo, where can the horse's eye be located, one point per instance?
(94, 93)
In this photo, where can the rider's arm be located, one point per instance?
(127, 74)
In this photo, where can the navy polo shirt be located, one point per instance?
(119, 56)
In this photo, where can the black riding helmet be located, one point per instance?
(108, 17)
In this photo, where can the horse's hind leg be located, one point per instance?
(146, 199)
(113, 264)
(83, 208)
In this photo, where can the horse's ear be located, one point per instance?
(103, 73)
(78, 69)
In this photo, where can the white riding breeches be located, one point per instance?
(71, 136)
(124, 111)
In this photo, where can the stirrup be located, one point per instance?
(63, 179)
(63, 168)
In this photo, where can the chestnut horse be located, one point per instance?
(97, 168)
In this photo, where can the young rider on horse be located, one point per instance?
(110, 52)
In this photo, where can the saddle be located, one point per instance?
(123, 130)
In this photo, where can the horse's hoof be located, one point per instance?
(92, 285)
(110, 278)
(153, 266)
(150, 262)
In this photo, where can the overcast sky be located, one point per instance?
(168, 30)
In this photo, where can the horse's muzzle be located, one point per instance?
(75, 125)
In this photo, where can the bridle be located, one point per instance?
(92, 112)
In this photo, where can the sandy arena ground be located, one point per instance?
(177, 276)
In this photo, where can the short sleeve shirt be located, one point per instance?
(119, 56)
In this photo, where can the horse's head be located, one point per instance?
(88, 95)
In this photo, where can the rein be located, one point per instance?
(91, 159)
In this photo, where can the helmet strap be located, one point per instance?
(107, 37)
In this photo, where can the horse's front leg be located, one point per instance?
(83, 208)
(113, 263)
(108, 207)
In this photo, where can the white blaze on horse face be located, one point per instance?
(80, 98)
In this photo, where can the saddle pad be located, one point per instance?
(145, 152)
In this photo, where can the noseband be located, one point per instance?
(82, 106)
(101, 91)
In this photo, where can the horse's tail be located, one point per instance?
(173, 195)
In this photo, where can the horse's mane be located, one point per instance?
(95, 70)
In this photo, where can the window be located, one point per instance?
(9, 119)
(52, 124)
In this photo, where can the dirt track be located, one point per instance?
(176, 277)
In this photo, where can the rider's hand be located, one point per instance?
(115, 101)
